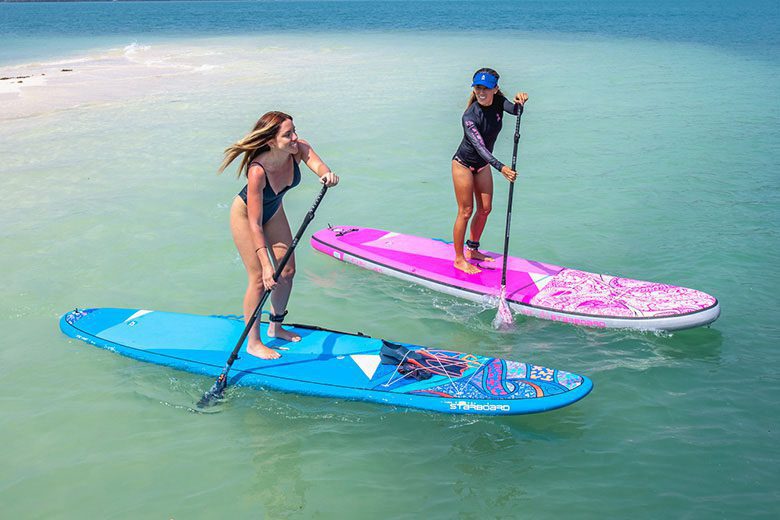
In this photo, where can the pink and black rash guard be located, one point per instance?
(481, 126)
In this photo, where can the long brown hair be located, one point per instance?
(473, 97)
(255, 142)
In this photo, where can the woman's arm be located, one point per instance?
(315, 164)
(516, 107)
(475, 138)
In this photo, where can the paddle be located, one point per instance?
(503, 317)
(218, 388)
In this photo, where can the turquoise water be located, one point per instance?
(31, 29)
(648, 153)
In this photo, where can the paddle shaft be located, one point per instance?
(222, 379)
(509, 203)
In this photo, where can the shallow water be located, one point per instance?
(652, 157)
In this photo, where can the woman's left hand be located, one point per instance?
(521, 98)
(329, 179)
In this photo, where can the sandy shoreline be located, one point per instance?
(136, 71)
(14, 84)
(117, 74)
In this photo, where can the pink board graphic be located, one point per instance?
(533, 288)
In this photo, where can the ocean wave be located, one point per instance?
(133, 48)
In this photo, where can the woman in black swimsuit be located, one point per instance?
(471, 164)
(271, 153)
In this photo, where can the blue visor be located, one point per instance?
(485, 79)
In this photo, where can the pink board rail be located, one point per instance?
(535, 289)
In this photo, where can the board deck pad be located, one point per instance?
(532, 288)
(328, 363)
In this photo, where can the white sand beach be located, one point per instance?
(136, 71)
(102, 77)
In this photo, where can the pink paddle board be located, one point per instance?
(533, 288)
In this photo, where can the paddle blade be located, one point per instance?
(503, 319)
(215, 393)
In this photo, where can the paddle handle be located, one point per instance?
(306, 220)
(509, 204)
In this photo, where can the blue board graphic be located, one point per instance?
(329, 364)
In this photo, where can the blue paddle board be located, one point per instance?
(329, 364)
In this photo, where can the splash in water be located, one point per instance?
(503, 319)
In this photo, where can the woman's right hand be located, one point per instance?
(509, 173)
(329, 179)
(268, 279)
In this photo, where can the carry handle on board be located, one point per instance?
(219, 385)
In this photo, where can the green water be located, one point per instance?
(652, 160)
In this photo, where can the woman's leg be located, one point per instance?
(242, 236)
(463, 180)
(278, 236)
(483, 194)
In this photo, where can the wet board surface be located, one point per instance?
(328, 363)
(533, 288)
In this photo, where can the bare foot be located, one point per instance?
(261, 351)
(286, 335)
(466, 267)
(479, 257)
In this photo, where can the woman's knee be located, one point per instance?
(484, 210)
(287, 273)
(465, 212)
(255, 282)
